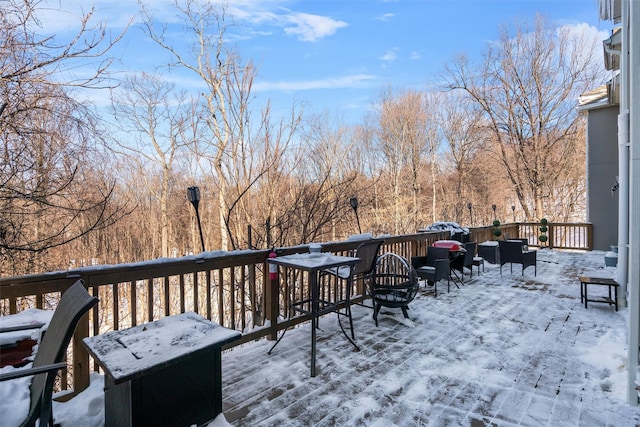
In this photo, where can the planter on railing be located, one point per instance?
(543, 238)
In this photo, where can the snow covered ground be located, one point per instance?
(506, 350)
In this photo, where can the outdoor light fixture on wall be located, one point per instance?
(354, 205)
(193, 193)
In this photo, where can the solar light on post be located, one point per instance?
(513, 209)
(470, 206)
(354, 205)
(494, 211)
(193, 193)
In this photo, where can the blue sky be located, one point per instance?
(337, 56)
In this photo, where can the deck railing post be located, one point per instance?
(80, 356)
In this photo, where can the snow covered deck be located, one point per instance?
(500, 351)
(504, 351)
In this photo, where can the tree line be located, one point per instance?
(79, 188)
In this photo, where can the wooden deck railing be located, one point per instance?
(229, 288)
(560, 235)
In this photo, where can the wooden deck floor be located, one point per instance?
(500, 351)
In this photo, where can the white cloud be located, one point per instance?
(350, 81)
(312, 27)
(389, 55)
(60, 17)
(307, 27)
(385, 16)
(584, 31)
(415, 55)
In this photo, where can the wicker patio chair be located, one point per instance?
(513, 252)
(433, 267)
(467, 259)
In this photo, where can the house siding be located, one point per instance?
(602, 172)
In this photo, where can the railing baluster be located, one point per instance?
(167, 299)
(195, 292)
(243, 307)
(232, 297)
(40, 301)
(134, 302)
(182, 307)
(116, 306)
(256, 311)
(221, 297)
(95, 317)
(150, 295)
(208, 294)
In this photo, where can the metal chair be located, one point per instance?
(395, 284)
(50, 357)
(513, 252)
(478, 261)
(467, 260)
(433, 267)
(368, 253)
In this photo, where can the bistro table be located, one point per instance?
(313, 264)
(162, 373)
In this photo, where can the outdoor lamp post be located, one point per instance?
(494, 211)
(513, 209)
(354, 205)
(469, 206)
(194, 197)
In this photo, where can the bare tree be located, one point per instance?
(328, 166)
(402, 138)
(233, 151)
(526, 87)
(259, 155)
(460, 121)
(366, 163)
(49, 140)
(433, 139)
(155, 119)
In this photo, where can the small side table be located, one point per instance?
(585, 281)
(489, 251)
(162, 373)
